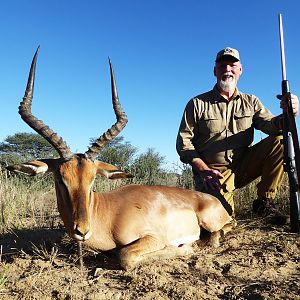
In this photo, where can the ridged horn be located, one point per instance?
(111, 133)
(25, 111)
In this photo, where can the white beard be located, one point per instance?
(227, 85)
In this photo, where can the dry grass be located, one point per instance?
(30, 202)
(26, 203)
(244, 197)
(39, 261)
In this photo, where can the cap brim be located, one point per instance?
(227, 57)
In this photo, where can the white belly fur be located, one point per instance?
(182, 227)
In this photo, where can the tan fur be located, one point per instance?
(146, 221)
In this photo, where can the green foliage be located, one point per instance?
(118, 153)
(25, 146)
(185, 176)
(147, 168)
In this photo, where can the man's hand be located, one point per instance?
(294, 103)
(210, 177)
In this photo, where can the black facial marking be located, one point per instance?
(80, 158)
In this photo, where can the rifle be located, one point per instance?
(291, 143)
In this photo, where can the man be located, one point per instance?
(216, 134)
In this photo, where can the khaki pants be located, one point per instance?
(264, 159)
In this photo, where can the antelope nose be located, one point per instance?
(81, 232)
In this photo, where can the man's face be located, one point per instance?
(227, 73)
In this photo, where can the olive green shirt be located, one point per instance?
(218, 131)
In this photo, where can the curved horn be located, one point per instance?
(25, 111)
(111, 133)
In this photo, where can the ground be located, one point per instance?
(254, 261)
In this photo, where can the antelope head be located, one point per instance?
(74, 174)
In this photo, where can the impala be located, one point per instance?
(141, 221)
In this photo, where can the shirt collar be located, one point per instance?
(218, 97)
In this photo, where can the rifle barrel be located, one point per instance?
(282, 52)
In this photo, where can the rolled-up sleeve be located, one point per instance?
(265, 121)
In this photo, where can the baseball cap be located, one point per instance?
(228, 53)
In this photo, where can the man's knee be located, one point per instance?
(272, 146)
(276, 141)
(277, 149)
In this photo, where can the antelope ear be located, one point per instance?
(30, 168)
(110, 171)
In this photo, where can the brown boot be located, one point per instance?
(265, 208)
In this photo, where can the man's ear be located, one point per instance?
(241, 69)
(30, 168)
(110, 171)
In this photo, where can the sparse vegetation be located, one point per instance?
(3, 279)
(39, 261)
(28, 202)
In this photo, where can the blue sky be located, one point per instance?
(163, 54)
